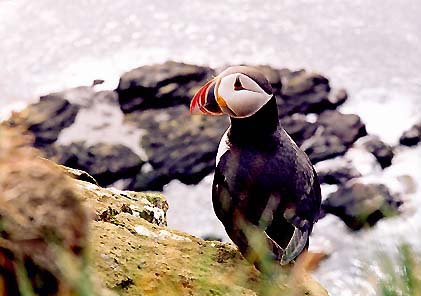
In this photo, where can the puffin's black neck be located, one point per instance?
(260, 125)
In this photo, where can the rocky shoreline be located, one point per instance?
(175, 145)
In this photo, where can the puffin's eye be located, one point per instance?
(237, 84)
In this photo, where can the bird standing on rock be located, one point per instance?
(264, 186)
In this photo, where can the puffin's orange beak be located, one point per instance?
(204, 101)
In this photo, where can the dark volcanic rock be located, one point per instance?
(381, 151)
(48, 117)
(298, 127)
(336, 171)
(275, 77)
(412, 136)
(361, 205)
(160, 86)
(107, 163)
(336, 132)
(178, 146)
(347, 127)
(305, 92)
(323, 146)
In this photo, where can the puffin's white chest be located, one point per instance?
(223, 147)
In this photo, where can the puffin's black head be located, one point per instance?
(238, 91)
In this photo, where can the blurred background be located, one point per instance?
(368, 55)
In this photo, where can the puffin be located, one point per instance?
(265, 190)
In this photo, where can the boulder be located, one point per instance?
(305, 92)
(381, 151)
(323, 146)
(107, 163)
(336, 132)
(362, 205)
(178, 146)
(160, 86)
(48, 117)
(336, 171)
(412, 136)
(347, 127)
(299, 128)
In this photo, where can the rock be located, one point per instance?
(160, 86)
(153, 260)
(362, 205)
(339, 97)
(336, 132)
(47, 118)
(336, 171)
(323, 146)
(107, 163)
(347, 127)
(412, 136)
(381, 151)
(299, 128)
(305, 92)
(105, 204)
(79, 175)
(275, 77)
(178, 146)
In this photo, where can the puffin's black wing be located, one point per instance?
(246, 181)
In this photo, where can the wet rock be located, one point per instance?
(159, 86)
(347, 127)
(412, 136)
(47, 118)
(305, 92)
(107, 163)
(298, 127)
(362, 205)
(336, 171)
(323, 146)
(275, 77)
(178, 146)
(381, 151)
(340, 97)
(336, 132)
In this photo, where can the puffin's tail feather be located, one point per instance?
(295, 246)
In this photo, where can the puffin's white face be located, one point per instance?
(233, 92)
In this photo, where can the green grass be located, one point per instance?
(402, 278)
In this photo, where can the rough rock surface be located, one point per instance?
(361, 205)
(305, 92)
(381, 151)
(336, 133)
(48, 117)
(107, 163)
(336, 171)
(178, 146)
(412, 136)
(299, 128)
(159, 86)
